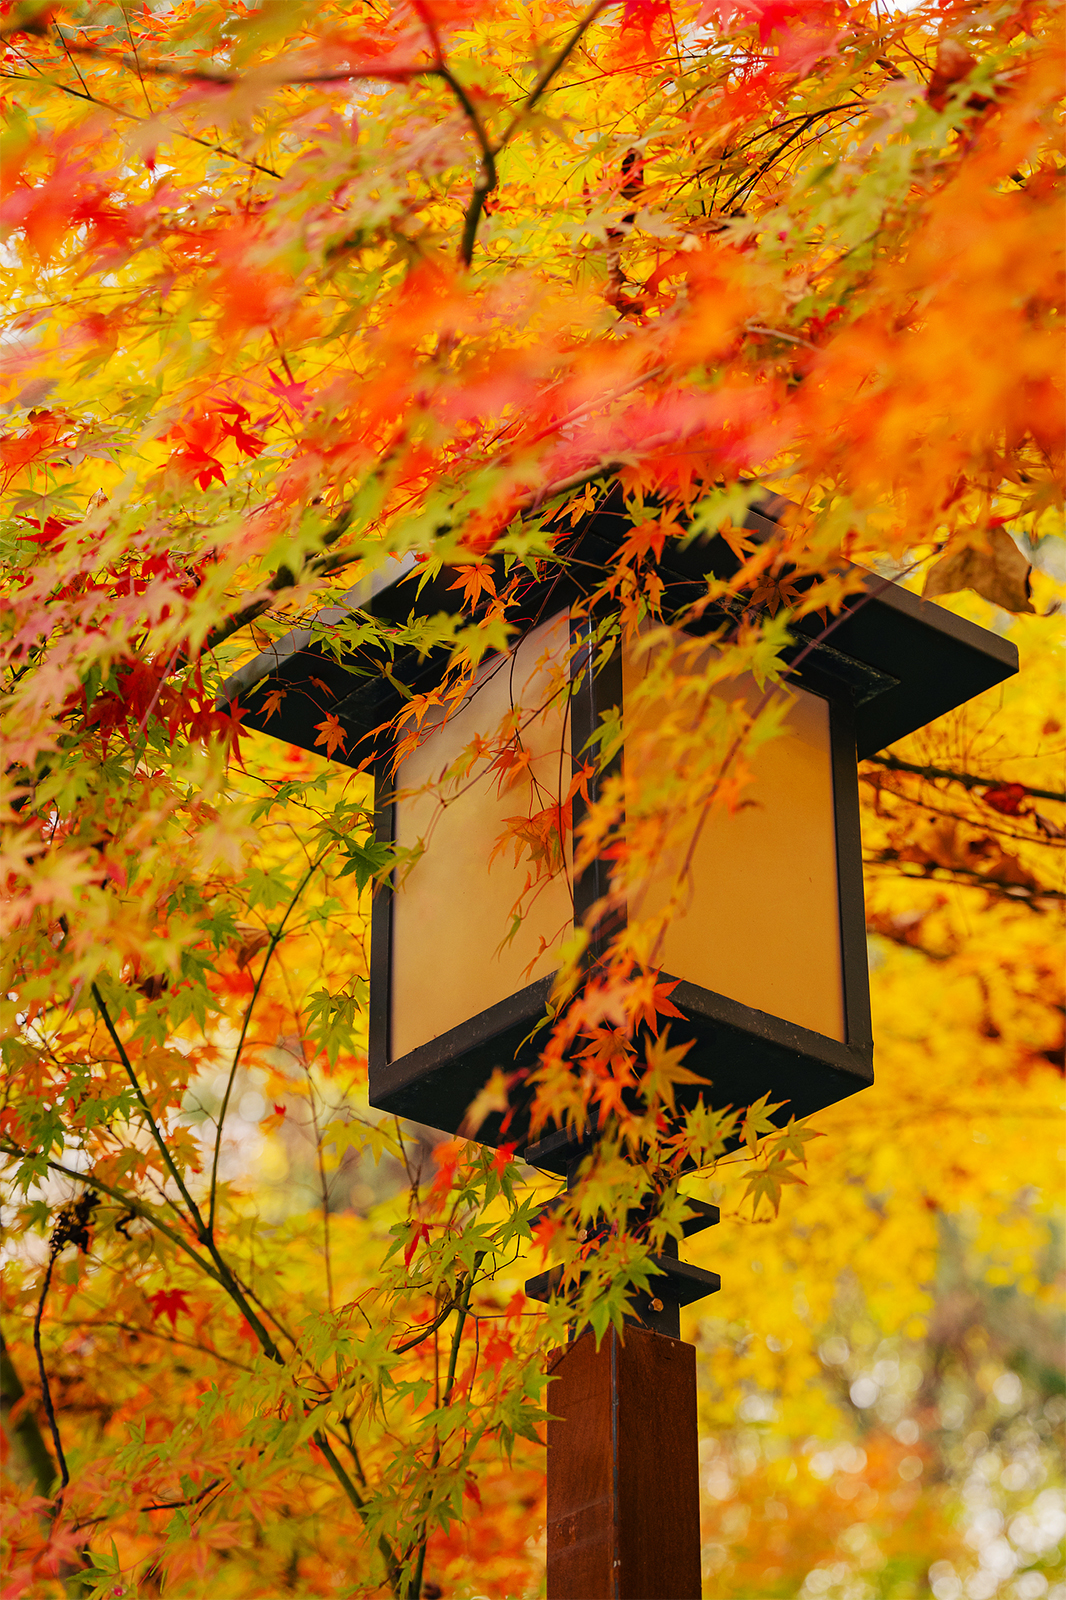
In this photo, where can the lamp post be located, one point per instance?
(778, 1006)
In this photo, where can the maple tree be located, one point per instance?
(296, 289)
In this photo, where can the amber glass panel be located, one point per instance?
(760, 920)
(453, 914)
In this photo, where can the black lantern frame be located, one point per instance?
(888, 664)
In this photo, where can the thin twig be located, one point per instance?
(779, 333)
(415, 1586)
(164, 1338)
(135, 116)
(275, 939)
(282, 579)
(231, 80)
(165, 1505)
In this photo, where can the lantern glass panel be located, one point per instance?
(758, 916)
(452, 914)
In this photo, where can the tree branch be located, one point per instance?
(46, 1392)
(282, 579)
(969, 780)
(554, 65)
(1020, 893)
(161, 1145)
(25, 1432)
(392, 1566)
(230, 80)
(134, 116)
(131, 1204)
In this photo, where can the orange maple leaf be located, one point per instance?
(272, 703)
(473, 579)
(331, 734)
(648, 1001)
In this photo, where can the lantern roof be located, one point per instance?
(902, 660)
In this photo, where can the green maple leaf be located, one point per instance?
(367, 861)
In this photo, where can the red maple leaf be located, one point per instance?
(503, 1156)
(421, 1232)
(167, 1303)
(293, 393)
(1006, 798)
(47, 530)
(644, 14)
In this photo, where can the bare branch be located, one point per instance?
(969, 780)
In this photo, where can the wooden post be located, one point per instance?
(623, 1470)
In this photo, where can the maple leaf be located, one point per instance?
(1006, 798)
(331, 734)
(999, 573)
(367, 859)
(474, 581)
(607, 1047)
(421, 1233)
(663, 1071)
(294, 394)
(649, 999)
(769, 1183)
(644, 14)
(446, 1157)
(953, 63)
(648, 538)
(758, 1120)
(254, 940)
(497, 1351)
(792, 1140)
(491, 1097)
(503, 1158)
(168, 1303)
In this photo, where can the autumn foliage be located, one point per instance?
(297, 288)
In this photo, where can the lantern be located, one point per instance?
(768, 947)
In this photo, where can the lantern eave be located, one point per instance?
(902, 660)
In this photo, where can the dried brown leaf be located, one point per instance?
(999, 573)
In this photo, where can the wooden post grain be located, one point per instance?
(623, 1470)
